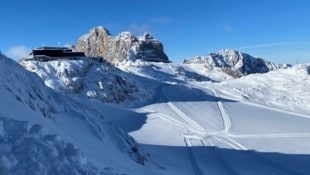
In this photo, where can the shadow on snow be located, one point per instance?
(214, 160)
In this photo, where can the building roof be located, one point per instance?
(52, 48)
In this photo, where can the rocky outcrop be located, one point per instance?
(94, 44)
(90, 79)
(125, 46)
(234, 62)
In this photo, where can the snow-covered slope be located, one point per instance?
(45, 132)
(288, 89)
(233, 62)
(88, 78)
(197, 120)
(200, 130)
(192, 127)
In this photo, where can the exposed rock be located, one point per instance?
(150, 49)
(125, 46)
(94, 43)
(235, 62)
(89, 79)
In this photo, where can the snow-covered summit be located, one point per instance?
(125, 46)
(234, 62)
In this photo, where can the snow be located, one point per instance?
(210, 127)
(286, 89)
(185, 119)
(46, 132)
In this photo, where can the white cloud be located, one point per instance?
(162, 20)
(139, 29)
(268, 45)
(228, 28)
(281, 52)
(18, 52)
(148, 25)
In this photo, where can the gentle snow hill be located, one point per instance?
(287, 89)
(45, 132)
(233, 62)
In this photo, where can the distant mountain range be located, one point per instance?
(98, 42)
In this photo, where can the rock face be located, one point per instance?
(234, 62)
(125, 46)
(94, 44)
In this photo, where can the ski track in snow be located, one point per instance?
(223, 136)
(181, 114)
(192, 159)
(175, 122)
(185, 117)
(196, 131)
(226, 167)
(220, 136)
(187, 142)
(223, 113)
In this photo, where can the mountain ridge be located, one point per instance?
(234, 61)
(98, 42)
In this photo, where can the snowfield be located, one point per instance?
(179, 119)
(287, 89)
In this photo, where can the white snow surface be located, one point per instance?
(195, 121)
(287, 89)
(45, 132)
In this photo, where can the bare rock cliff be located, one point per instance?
(125, 46)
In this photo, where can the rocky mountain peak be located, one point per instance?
(147, 36)
(125, 46)
(94, 43)
(235, 62)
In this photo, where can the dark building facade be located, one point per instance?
(55, 52)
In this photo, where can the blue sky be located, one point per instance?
(277, 30)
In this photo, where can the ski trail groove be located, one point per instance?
(223, 112)
(175, 122)
(192, 159)
(185, 117)
(181, 114)
(223, 163)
